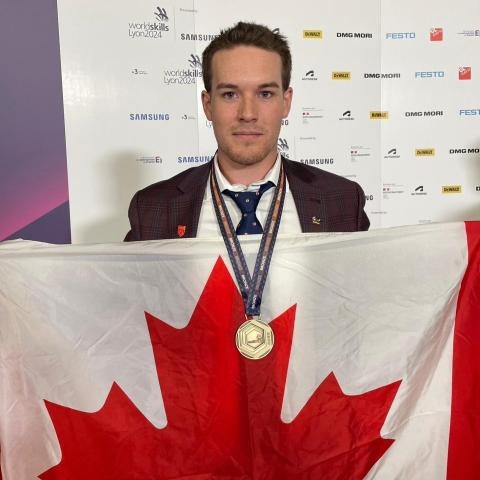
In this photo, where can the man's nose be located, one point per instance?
(248, 109)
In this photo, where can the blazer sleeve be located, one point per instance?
(363, 223)
(134, 234)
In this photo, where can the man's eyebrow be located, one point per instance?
(226, 85)
(232, 86)
(269, 85)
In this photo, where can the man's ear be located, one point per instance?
(287, 101)
(207, 106)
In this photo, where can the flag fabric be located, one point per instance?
(119, 361)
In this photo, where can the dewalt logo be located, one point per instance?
(425, 152)
(341, 75)
(315, 34)
(378, 115)
(452, 189)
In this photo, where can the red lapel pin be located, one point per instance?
(181, 230)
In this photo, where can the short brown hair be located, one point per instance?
(251, 34)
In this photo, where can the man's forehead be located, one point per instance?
(247, 52)
(245, 62)
(249, 55)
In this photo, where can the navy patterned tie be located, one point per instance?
(247, 202)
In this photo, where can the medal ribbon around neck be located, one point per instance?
(251, 287)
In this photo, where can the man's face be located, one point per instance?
(246, 103)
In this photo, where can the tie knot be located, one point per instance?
(247, 202)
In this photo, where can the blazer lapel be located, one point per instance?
(310, 205)
(186, 206)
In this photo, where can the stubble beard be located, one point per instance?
(246, 158)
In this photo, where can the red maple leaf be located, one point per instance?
(223, 411)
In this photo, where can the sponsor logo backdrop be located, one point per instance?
(385, 96)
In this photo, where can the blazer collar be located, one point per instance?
(197, 179)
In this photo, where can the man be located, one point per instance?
(246, 72)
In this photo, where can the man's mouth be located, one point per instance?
(248, 135)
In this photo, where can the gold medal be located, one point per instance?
(254, 339)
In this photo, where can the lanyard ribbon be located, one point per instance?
(251, 287)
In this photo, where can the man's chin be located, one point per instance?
(246, 160)
(247, 156)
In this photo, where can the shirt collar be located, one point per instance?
(271, 176)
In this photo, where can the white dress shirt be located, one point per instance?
(207, 223)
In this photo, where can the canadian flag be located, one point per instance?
(119, 361)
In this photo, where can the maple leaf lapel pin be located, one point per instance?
(316, 220)
(181, 230)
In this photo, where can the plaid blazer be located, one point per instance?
(171, 208)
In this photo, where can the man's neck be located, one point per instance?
(246, 174)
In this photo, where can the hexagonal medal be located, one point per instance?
(254, 339)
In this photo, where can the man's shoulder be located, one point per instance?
(317, 178)
(192, 178)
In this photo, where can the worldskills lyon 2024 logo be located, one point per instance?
(150, 29)
(184, 76)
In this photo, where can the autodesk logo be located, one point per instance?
(392, 153)
(347, 115)
(419, 191)
(310, 75)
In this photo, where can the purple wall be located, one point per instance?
(33, 168)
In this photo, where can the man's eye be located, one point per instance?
(228, 95)
(266, 94)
